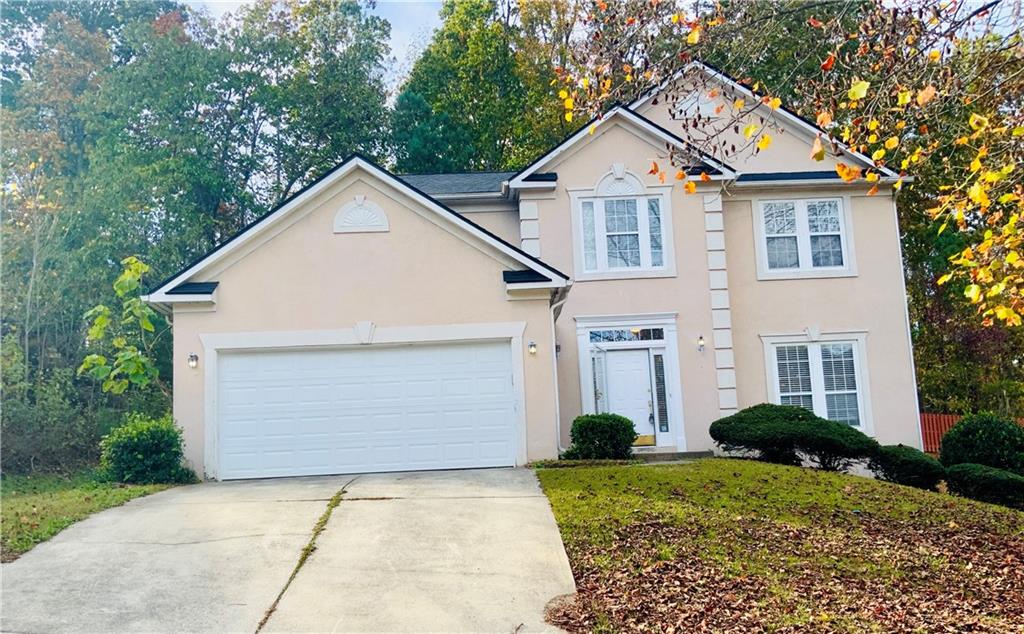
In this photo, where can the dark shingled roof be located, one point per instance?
(522, 277)
(464, 183)
(194, 288)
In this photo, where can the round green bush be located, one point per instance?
(144, 451)
(906, 465)
(986, 439)
(988, 484)
(601, 437)
(785, 434)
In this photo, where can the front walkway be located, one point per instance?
(452, 551)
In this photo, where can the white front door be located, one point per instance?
(629, 390)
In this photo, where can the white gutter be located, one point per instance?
(554, 366)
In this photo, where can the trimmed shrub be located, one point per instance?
(986, 439)
(144, 451)
(906, 465)
(988, 484)
(601, 436)
(784, 434)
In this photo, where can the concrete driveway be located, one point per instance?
(440, 551)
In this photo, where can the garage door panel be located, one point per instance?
(306, 412)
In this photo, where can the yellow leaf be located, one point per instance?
(978, 195)
(563, 94)
(568, 116)
(898, 185)
(892, 142)
(878, 154)
(934, 56)
(568, 103)
(871, 177)
(774, 103)
(1018, 131)
(675, 18)
(1007, 198)
(750, 130)
(945, 278)
(873, 124)
(978, 122)
(973, 293)
(903, 98)
(824, 118)
(925, 95)
(690, 187)
(585, 83)
(693, 37)
(764, 142)
(872, 138)
(1012, 257)
(817, 149)
(738, 104)
(847, 172)
(859, 90)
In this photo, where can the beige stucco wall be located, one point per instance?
(686, 293)
(873, 301)
(309, 278)
(504, 224)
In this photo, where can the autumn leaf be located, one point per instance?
(568, 116)
(693, 37)
(873, 190)
(704, 177)
(764, 142)
(690, 187)
(818, 24)
(847, 172)
(892, 142)
(818, 149)
(978, 122)
(654, 168)
(750, 130)
(738, 104)
(680, 175)
(829, 62)
(859, 90)
(824, 118)
(925, 95)
(903, 98)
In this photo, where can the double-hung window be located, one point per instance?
(822, 377)
(804, 237)
(622, 234)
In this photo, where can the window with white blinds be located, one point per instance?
(803, 236)
(821, 377)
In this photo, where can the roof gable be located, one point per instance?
(527, 178)
(164, 292)
(782, 116)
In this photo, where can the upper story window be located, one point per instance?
(622, 230)
(803, 238)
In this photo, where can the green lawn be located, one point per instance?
(35, 508)
(735, 545)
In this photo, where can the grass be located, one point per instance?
(736, 545)
(34, 508)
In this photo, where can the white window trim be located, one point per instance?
(810, 337)
(670, 345)
(668, 269)
(849, 268)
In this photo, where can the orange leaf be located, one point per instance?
(925, 95)
(654, 168)
(829, 62)
(704, 177)
(873, 190)
(680, 175)
(690, 187)
(847, 173)
(818, 24)
(824, 118)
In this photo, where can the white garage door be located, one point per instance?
(366, 409)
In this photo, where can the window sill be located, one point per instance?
(805, 274)
(624, 275)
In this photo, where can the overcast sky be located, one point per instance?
(412, 22)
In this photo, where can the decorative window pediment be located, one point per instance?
(360, 216)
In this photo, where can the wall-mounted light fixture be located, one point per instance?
(193, 360)
(532, 347)
(700, 343)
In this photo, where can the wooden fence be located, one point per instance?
(934, 426)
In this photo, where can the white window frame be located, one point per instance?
(603, 272)
(803, 236)
(814, 341)
(669, 346)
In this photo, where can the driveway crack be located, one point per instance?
(307, 550)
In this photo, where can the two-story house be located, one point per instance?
(376, 322)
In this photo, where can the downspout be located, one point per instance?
(559, 297)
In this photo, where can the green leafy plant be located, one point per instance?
(987, 439)
(784, 434)
(906, 465)
(144, 451)
(988, 484)
(130, 364)
(601, 436)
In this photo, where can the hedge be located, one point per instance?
(144, 451)
(601, 436)
(986, 439)
(906, 465)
